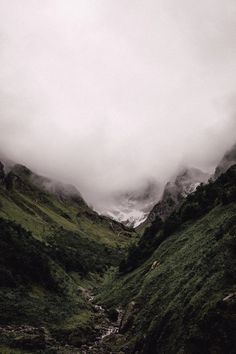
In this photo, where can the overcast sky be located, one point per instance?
(108, 93)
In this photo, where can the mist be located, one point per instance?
(108, 94)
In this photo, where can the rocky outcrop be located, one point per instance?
(176, 191)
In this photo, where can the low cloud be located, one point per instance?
(106, 94)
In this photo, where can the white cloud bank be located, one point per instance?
(107, 93)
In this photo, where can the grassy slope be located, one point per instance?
(63, 240)
(179, 306)
(35, 289)
(45, 216)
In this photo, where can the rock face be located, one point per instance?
(227, 161)
(176, 191)
(140, 207)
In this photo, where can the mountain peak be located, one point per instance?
(132, 207)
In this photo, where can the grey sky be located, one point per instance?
(107, 93)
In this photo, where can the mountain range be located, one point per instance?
(141, 206)
(74, 281)
(131, 208)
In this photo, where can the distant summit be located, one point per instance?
(131, 208)
(142, 205)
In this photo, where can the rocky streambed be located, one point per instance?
(107, 326)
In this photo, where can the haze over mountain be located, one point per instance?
(117, 177)
(109, 95)
(136, 206)
(132, 207)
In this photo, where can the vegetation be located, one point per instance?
(35, 289)
(51, 244)
(181, 298)
(206, 197)
(68, 226)
(176, 288)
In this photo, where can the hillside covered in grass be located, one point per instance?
(73, 281)
(178, 285)
(52, 247)
(61, 220)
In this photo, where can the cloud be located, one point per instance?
(105, 94)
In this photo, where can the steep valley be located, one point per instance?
(73, 281)
(52, 245)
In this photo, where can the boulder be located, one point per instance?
(155, 265)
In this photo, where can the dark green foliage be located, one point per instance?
(187, 304)
(34, 288)
(171, 224)
(51, 243)
(145, 247)
(189, 211)
(112, 314)
(23, 259)
(75, 253)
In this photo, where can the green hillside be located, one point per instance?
(52, 246)
(172, 291)
(178, 285)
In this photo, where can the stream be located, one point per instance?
(106, 329)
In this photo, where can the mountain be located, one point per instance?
(177, 286)
(73, 281)
(138, 208)
(52, 245)
(132, 208)
(175, 193)
(227, 161)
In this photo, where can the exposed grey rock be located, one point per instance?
(176, 191)
(132, 207)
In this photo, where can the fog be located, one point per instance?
(107, 94)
